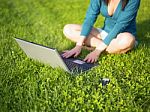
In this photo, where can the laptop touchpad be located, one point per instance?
(79, 62)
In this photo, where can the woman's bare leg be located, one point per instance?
(123, 43)
(72, 32)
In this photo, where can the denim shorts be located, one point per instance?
(103, 35)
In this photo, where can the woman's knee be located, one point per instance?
(125, 40)
(121, 44)
(66, 29)
(70, 29)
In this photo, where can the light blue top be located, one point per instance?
(120, 21)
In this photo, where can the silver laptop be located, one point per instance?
(53, 58)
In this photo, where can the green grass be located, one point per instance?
(27, 85)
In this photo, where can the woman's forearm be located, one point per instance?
(101, 47)
(81, 41)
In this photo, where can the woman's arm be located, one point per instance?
(91, 16)
(126, 16)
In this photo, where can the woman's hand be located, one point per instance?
(93, 56)
(76, 50)
(73, 52)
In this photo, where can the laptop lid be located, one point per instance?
(43, 54)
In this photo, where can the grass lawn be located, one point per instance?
(27, 85)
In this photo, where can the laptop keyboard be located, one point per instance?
(74, 66)
(70, 64)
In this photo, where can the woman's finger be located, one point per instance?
(89, 59)
(93, 59)
(65, 51)
(85, 59)
(65, 54)
(70, 54)
(96, 59)
(76, 54)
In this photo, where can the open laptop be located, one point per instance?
(53, 58)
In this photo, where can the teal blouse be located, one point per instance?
(120, 21)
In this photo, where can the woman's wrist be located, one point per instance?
(79, 44)
(97, 52)
(101, 47)
(80, 41)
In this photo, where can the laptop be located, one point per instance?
(51, 57)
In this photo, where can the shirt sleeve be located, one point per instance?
(125, 18)
(91, 16)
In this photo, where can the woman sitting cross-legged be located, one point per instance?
(118, 34)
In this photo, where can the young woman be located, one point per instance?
(118, 34)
